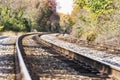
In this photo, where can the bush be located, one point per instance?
(13, 20)
(91, 36)
(99, 16)
(1, 28)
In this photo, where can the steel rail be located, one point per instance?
(23, 69)
(103, 67)
(24, 73)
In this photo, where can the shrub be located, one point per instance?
(99, 16)
(13, 20)
(91, 36)
(1, 28)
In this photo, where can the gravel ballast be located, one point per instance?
(100, 56)
(7, 65)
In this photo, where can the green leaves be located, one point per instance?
(97, 16)
(13, 20)
(96, 6)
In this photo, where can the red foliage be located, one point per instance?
(52, 4)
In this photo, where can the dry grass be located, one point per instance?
(111, 45)
(11, 33)
(110, 40)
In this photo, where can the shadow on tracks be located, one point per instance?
(7, 64)
(49, 65)
(7, 60)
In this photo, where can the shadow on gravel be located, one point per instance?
(2, 37)
(82, 68)
(50, 66)
(7, 44)
(7, 64)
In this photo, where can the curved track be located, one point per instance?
(44, 63)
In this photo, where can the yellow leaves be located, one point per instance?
(75, 10)
(63, 18)
(91, 36)
(1, 28)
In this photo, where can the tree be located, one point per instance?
(94, 16)
(38, 12)
(13, 20)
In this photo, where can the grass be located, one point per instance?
(11, 33)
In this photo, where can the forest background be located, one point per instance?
(93, 20)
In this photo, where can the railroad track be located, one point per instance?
(109, 48)
(7, 58)
(44, 63)
(40, 59)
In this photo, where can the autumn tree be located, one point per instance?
(39, 12)
(96, 16)
(51, 17)
(13, 19)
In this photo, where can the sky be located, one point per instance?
(64, 6)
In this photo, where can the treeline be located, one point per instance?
(26, 15)
(13, 20)
(93, 19)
